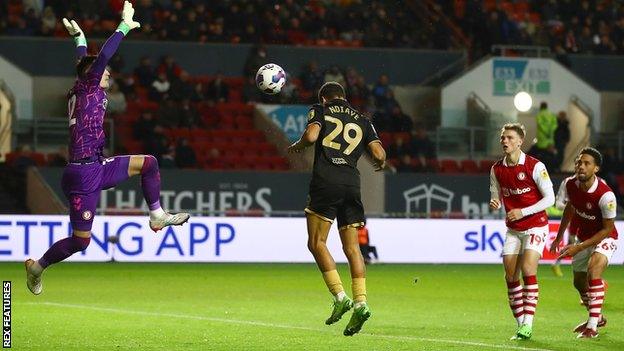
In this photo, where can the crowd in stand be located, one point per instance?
(296, 22)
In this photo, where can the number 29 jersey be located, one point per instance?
(345, 134)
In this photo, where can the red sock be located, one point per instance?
(596, 297)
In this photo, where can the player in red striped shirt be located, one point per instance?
(593, 207)
(527, 191)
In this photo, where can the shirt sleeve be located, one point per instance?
(608, 205)
(494, 186)
(108, 50)
(315, 115)
(81, 50)
(562, 195)
(545, 186)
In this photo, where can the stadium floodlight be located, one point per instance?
(523, 101)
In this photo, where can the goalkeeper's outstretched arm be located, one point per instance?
(79, 38)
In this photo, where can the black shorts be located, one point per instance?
(329, 201)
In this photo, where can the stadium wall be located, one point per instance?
(228, 239)
(200, 59)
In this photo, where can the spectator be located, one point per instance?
(405, 165)
(562, 137)
(218, 90)
(169, 114)
(312, 78)
(398, 149)
(421, 146)
(116, 100)
(380, 91)
(170, 68)
(145, 72)
(214, 160)
(48, 22)
(333, 74)
(143, 128)
(127, 84)
(257, 57)
(546, 127)
(365, 247)
(168, 159)
(185, 155)
(198, 93)
(182, 88)
(157, 144)
(189, 116)
(251, 93)
(400, 121)
(160, 88)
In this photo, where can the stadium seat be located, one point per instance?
(386, 138)
(433, 165)
(449, 166)
(469, 166)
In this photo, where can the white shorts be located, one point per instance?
(606, 247)
(531, 239)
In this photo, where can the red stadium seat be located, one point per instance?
(469, 166)
(449, 166)
(386, 138)
(433, 165)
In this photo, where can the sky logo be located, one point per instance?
(483, 241)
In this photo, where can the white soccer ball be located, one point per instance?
(270, 78)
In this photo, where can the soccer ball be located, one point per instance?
(270, 78)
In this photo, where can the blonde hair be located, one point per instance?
(516, 127)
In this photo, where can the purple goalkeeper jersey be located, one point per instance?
(87, 105)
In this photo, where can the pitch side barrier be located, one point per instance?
(264, 239)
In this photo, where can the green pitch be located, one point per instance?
(117, 306)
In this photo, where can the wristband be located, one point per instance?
(80, 39)
(123, 28)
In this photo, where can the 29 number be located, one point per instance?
(346, 129)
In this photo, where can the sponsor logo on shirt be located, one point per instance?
(86, 215)
(585, 215)
(611, 206)
(517, 191)
(339, 161)
(311, 114)
(544, 174)
(521, 176)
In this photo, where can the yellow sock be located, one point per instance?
(358, 285)
(333, 282)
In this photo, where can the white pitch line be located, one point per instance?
(281, 326)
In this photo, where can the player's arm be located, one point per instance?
(545, 186)
(79, 38)
(562, 196)
(495, 203)
(608, 208)
(374, 146)
(378, 154)
(110, 46)
(312, 131)
(568, 212)
(308, 138)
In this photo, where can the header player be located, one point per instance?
(560, 203)
(593, 207)
(340, 135)
(88, 171)
(526, 191)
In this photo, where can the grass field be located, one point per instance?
(115, 306)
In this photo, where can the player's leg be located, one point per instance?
(598, 262)
(511, 264)
(533, 243)
(318, 230)
(117, 169)
(350, 217)
(81, 213)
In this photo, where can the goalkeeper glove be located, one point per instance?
(127, 23)
(74, 30)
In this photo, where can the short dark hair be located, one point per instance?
(331, 90)
(84, 64)
(593, 153)
(543, 105)
(516, 127)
